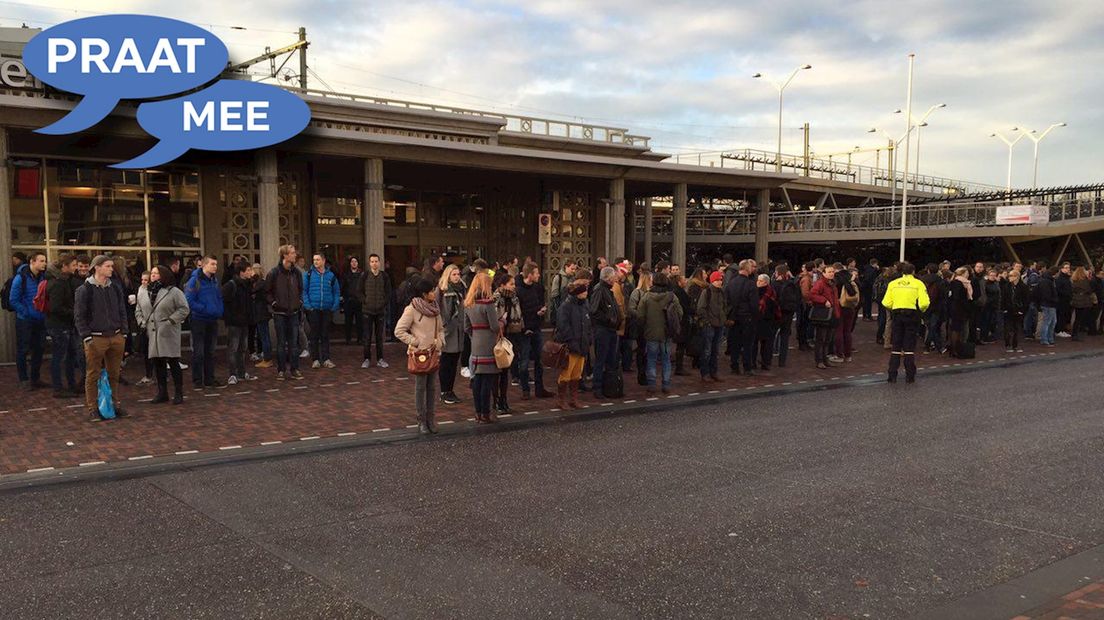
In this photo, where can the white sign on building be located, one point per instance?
(1023, 214)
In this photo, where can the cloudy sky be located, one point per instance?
(680, 72)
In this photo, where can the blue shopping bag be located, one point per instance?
(107, 405)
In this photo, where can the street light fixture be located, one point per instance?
(781, 87)
(921, 123)
(1009, 144)
(1037, 140)
(894, 144)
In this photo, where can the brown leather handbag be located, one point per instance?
(423, 361)
(554, 354)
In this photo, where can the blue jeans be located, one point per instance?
(607, 356)
(1031, 320)
(934, 338)
(529, 347)
(287, 341)
(64, 349)
(659, 348)
(204, 334)
(30, 337)
(264, 340)
(1049, 320)
(711, 349)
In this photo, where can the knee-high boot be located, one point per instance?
(162, 375)
(178, 381)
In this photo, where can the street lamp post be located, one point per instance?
(918, 123)
(781, 87)
(908, 136)
(894, 146)
(1010, 144)
(1031, 134)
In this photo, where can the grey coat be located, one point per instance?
(483, 325)
(162, 320)
(452, 314)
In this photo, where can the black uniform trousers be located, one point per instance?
(906, 324)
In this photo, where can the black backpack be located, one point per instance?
(674, 321)
(789, 296)
(5, 301)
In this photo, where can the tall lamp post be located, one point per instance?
(781, 87)
(1009, 144)
(894, 145)
(1037, 140)
(908, 136)
(918, 123)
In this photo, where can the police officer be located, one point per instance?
(907, 299)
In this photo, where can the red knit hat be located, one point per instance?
(716, 276)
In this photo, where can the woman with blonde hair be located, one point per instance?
(484, 328)
(450, 296)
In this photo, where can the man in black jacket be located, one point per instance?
(61, 289)
(1046, 298)
(375, 299)
(100, 316)
(743, 311)
(284, 291)
(237, 313)
(530, 295)
(1063, 288)
(606, 316)
(788, 294)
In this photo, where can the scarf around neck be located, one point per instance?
(427, 308)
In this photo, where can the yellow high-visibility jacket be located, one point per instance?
(906, 293)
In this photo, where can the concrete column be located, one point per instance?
(7, 319)
(372, 211)
(268, 207)
(678, 239)
(616, 220)
(762, 225)
(648, 231)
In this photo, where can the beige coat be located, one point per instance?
(419, 331)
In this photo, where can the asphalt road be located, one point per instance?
(871, 501)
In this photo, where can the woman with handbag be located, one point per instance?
(451, 292)
(420, 329)
(483, 328)
(824, 314)
(849, 307)
(573, 331)
(512, 329)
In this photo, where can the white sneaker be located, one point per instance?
(835, 359)
(233, 380)
(254, 358)
(183, 366)
(145, 381)
(1063, 335)
(382, 364)
(329, 364)
(465, 372)
(366, 364)
(305, 353)
(316, 364)
(249, 377)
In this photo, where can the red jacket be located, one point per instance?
(825, 290)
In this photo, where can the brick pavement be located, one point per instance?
(1086, 603)
(38, 431)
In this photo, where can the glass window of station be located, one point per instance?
(80, 207)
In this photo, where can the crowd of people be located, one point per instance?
(484, 322)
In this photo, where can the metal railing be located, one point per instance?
(836, 170)
(515, 123)
(954, 216)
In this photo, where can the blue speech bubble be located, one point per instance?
(229, 115)
(111, 57)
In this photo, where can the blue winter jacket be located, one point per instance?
(204, 297)
(321, 291)
(23, 290)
